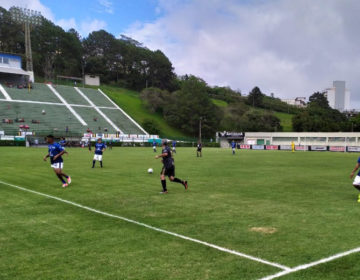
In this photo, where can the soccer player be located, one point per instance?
(292, 146)
(168, 168)
(154, 146)
(199, 149)
(356, 182)
(55, 153)
(62, 142)
(174, 146)
(99, 149)
(233, 147)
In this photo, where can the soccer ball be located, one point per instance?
(150, 170)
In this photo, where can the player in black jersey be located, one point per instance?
(168, 168)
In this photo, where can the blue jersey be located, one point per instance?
(174, 144)
(359, 163)
(99, 148)
(233, 145)
(62, 143)
(154, 144)
(55, 149)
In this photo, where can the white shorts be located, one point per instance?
(58, 165)
(233, 149)
(98, 157)
(357, 181)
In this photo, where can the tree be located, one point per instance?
(319, 99)
(255, 97)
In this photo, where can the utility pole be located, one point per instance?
(28, 18)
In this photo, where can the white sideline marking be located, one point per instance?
(151, 227)
(80, 119)
(3, 91)
(306, 266)
(97, 109)
(131, 119)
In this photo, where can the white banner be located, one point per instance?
(318, 148)
(353, 149)
(285, 147)
(258, 147)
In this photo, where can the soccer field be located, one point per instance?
(272, 210)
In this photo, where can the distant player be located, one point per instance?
(56, 161)
(154, 145)
(174, 146)
(99, 149)
(233, 147)
(199, 149)
(168, 168)
(62, 142)
(292, 146)
(356, 182)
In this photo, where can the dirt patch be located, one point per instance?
(266, 230)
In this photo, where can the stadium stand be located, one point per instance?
(42, 111)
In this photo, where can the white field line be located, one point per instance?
(306, 266)
(152, 228)
(98, 110)
(80, 119)
(131, 119)
(4, 92)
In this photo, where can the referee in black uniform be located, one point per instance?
(168, 168)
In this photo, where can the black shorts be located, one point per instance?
(170, 172)
(199, 149)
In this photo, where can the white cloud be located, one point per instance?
(291, 48)
(67, 24)
(29, 4)
(89, 26)
(107, 6)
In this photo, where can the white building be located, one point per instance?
(298, 101)
(92, 80)
(338, 96)
(10, 68)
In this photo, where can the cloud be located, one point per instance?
(107, 6)
(29, 4)
(67, 24)
(291, 48)
(89, 26)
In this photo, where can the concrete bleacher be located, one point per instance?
(96, 97)
(40, 92)
(100, 114)
(71, 95)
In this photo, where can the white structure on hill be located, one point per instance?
(338, 96)
(298, 101)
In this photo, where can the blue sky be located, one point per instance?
(287, 47)
(117, 15)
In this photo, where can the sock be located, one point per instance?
(101, 163)
(93, 163)
(61, 179)
(163, 183)
(176, 180)
(66, 176)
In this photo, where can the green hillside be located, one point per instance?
(131, 103)
(285, 118)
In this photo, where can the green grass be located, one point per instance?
(131, 103)
(286, 121)
(306, 196)
(219, 103)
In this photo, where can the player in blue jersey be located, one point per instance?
(154, 145)
(356, 182)
(62, 142)
(55, 153)
(99, 149)
(233, 146)
(174, 146)
(168, 168)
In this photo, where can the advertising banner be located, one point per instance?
(246, 147)
(337, 149)
(258, 147)
(285, 147)
(272, 147)
(353, 149)
(300, 148)
(318, 148)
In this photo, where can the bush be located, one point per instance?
(151, 127)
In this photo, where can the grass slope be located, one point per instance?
(311, 205)
(131, 103)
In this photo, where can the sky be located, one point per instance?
(286, 47)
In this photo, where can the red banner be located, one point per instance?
(337, 149)
(246, 147)
(272, 147)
